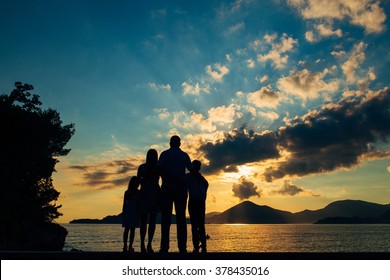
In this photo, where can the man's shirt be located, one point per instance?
(173, 164)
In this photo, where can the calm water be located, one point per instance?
(246, 238)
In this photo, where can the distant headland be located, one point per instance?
(338, 212)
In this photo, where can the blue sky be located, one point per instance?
(285, 102)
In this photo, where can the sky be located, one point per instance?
(285, 102)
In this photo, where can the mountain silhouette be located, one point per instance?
(342, 208)
(248, 212)
(212, 214)
(384, 218)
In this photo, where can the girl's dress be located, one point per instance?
(130, 213)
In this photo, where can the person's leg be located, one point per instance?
(132, 234)
(166, 216)
(143, 227)
(194, 230)
(181, 225)
(152, 229)
(201, 225)
(125, 237)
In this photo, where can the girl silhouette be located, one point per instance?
(130, 213)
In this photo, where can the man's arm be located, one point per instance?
(188, 163)
(204, 181)
(160, 165)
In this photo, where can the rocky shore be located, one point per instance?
(33, 237)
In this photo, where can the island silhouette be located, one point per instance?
(247, 212)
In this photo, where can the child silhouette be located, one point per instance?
(197, 188)
(130, 213)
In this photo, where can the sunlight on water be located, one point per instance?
(246, 238)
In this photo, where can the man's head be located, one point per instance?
(175, 141)
(196, 164)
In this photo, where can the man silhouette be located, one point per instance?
(172, 165)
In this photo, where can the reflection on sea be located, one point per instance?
(246, 238)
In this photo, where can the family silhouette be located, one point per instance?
(140, 207)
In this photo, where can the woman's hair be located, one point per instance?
(133, 184)
(151, 157)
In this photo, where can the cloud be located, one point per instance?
(364, 82)
(263, 79)
(223, 114)
(121, 166)
(250, 63)
(239, 147)
(307, 85)
(338, 54)
(338, 136)
(226, 11)
(107, 175)
(182, 119)
(245, 189)
(322, 31)
(269, 115)
(217, 71)
(235, 28)
(265, 97)
(96, 177)
(103, 180)
(309, 36)
(316, 9)
(216, 116)
(250, 110)
(194, 89)
(356, 58)
(288, 189)
(201, 122)
(327, 31)
(372, 17)
(155, 86)
(229, 57)
(162, 113)
(365, 13)
(121, 181)
(159, 14)
(375, 154)
(238, 4)
(78, 167)
(278, 49)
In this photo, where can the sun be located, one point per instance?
(242, 171)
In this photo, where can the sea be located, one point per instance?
(298, 238)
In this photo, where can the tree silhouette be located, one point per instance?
(31, 141)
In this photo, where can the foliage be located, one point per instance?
(31, 140)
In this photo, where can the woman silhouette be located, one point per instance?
(150, 197)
